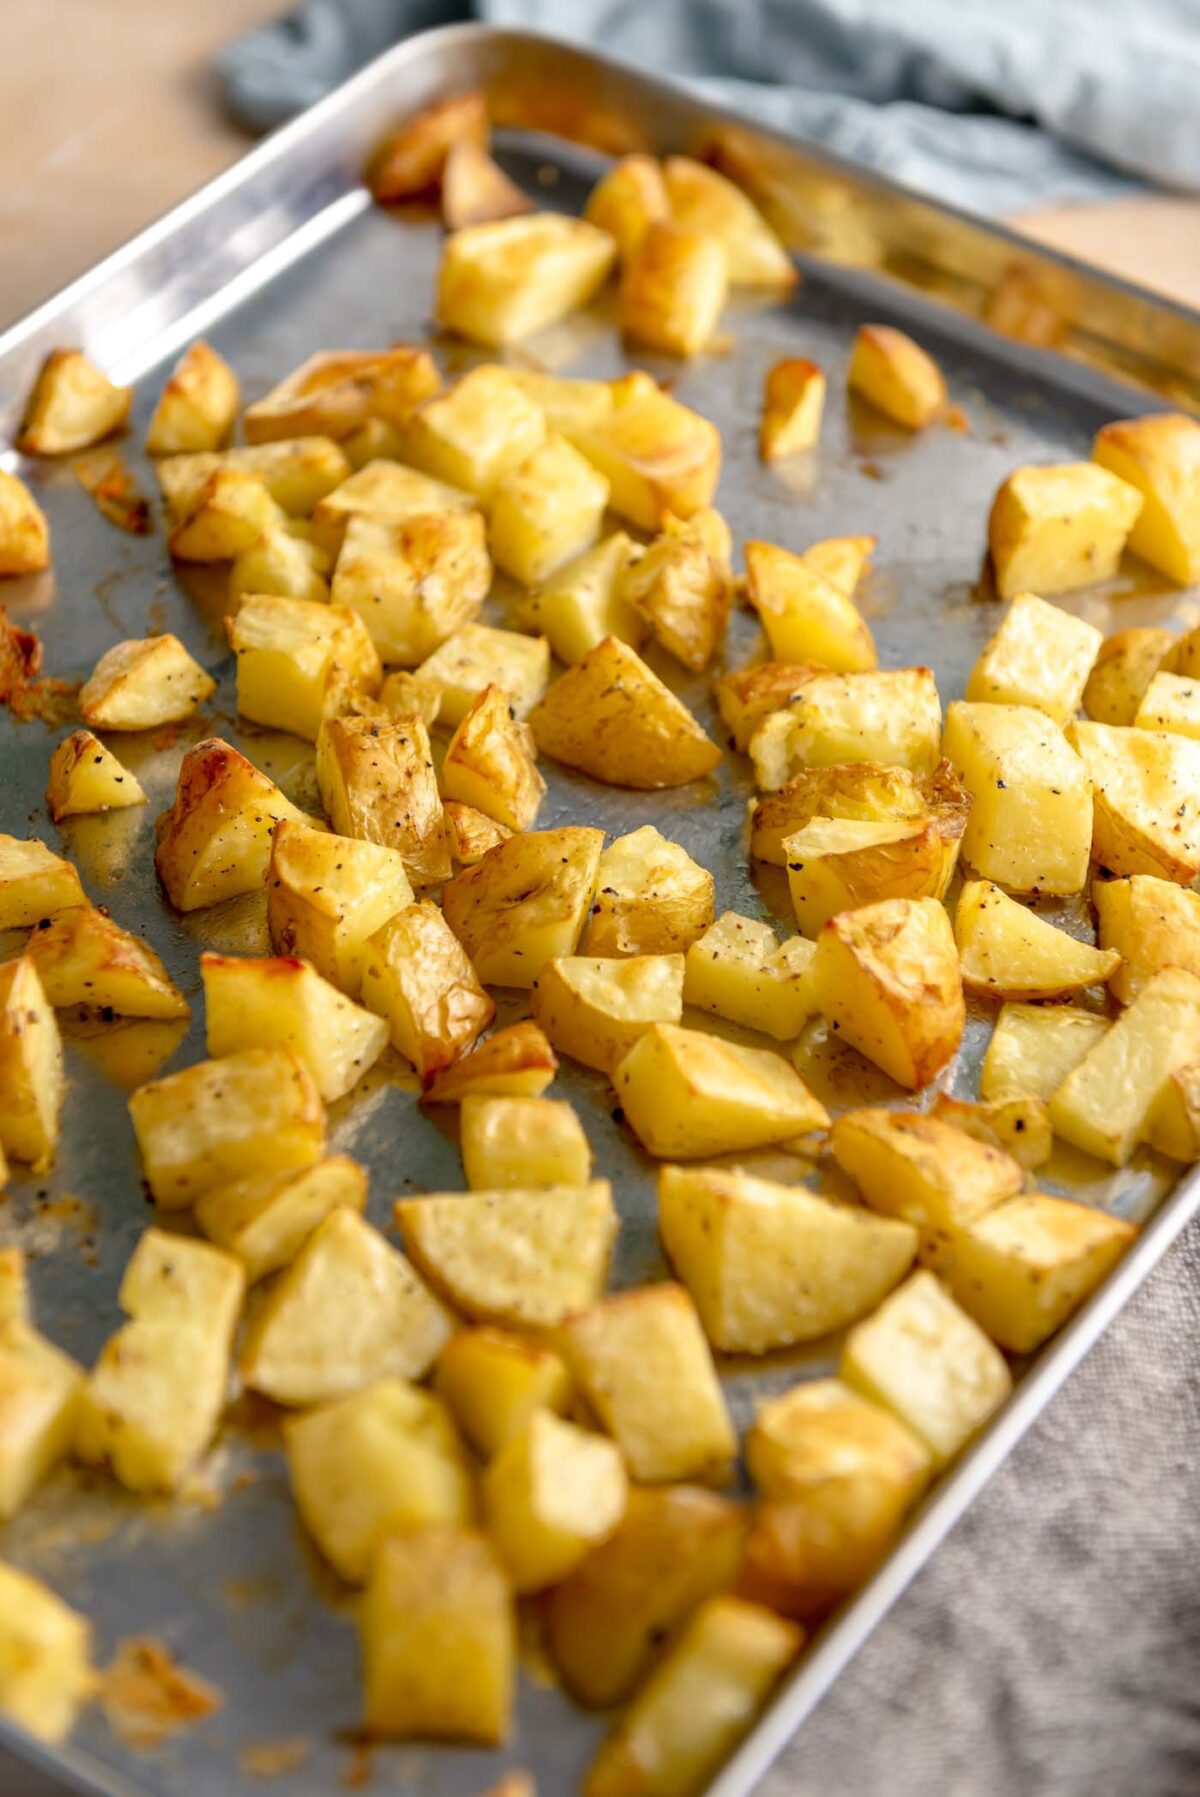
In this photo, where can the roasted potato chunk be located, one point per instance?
(327, 895)
(595, 1009)
(297, 474)
(821, 1432)
(336, 391)
(348, 1311)
(1022, 1269)
(583, 603)
(1171, 702)
(438, 1639)
(688, 1096)
(651, 898)
(45, 1652)
(525, 903)
(626, 201)
(517, 1062)
(416, 975)
(233, 510)
(387, 493)
(280, 1002)
(613, 718)
(1146, 799)
(24, 531)
(414, 158)
(499, 283)
(657, 455)
(476, 657)
(86, 776)
(72, 406)
(703, 200)
(1008, 951)
(1151, 924)
(34, 883)
(839, 863)
(552, 1492)
(472, 833)
(1030, 827)
(770, 1265)
(1160, 456)
(1175, 1126)
(886, 977)
(746, 697)
(508, 1142)
(490, 763)
(266, 1221)
(1018, 1125)
(377, 782)
(546, 511)
(380, 1462)
(31, 1067)
(1040, 656)
(143, 684)
(299, 662)
(1123, 669)
(865, 790)
(1032, 1050)
(215, 840)
(793, 405)
(475, 190)
(197, 407)
(896, 376)
(922, 1358)
(684, 593)
(893, 716)
(494, 1382)
(279, 563)
(526, 1258)
(840, 560)
(479, 430)
(84, 958)
(673, 289)
(1054, 529)
(39, 1394)
(413, 583)
(738, 969)
(807, 619)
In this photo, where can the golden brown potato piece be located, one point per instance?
(740, 970)
(34, 883)
(297, 474)
(387, 493)
(673, 289)
(143, 684)
(1031, 820)
(1057, 528)
(626, 201)
(493, 1380)
(1160, 456)
(793, 404)
(24, 532)
(703, 200)
(684, 593)
(31, 1067)
(838, 863)
(477, 431)
(500, 283)
(490, 763)
(688, 1095)
(1145, 797)
(525, 903)
(864, 790)
(1039, 656)
(72, 406)
(39, 1392)
(86, 959)
(1008, 951)
(613, 718)
(327, 895)
(416, 975)
(478, 656)
(413, 583)
(197, 407)
(86, 776)
(507, 1142)
(215, 840)
(472, 832)
(517, 1061)
(1018, 1125)
(233, 510)
(299, 661)
(652, 898)
(1033, 1048)
(746, 697)
(1171, 702)
(475, 190)
(594, 1009)
(891, 715)
(336, 391)
(1124, 668)
(266, 1220)
(280, 1002)
(413, 159)
(896, 375)
(1151, 924)
(658, 455)
(552, 1492)
(582, 604)
(546, 511)
(46, 1649)
(377, 782)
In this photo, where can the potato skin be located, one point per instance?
(896, 375)
(1124, 667)
(411, 161)
(24, 531)
(612, 717)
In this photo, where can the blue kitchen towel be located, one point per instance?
(994, 104)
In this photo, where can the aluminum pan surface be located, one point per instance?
(233, 1588)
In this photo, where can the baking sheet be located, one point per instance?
(226, 1578)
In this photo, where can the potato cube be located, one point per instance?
(1054, 529)
(413, 583)
(499, 283)
(39, 1393)
(1146, 800)
(697, 1705)
(494, 1382)
(1106, 1103)
(896, 376)
(704, 201)
(822, 1433)
(864, 790)
(1025, 1267)
(673, 289)
(552, 1492)
(267, 1220)
(438, 1639)
(475, 190)
(683, 592)
(1123, 669)
(746, 697)
(1008, 951)
(583, 603)
(1151, 924)
(476, 657)
(1030, 826)
(1160, 456)
(627, 200)
(1171, 702)
(687, 1095)
(522, 1257)
(377, 782)
(384, 492)
(516, 1062)
(738, 969)
(605, 1624)
(86, 776)
(143, 684)
(34, 883)
(197, 407)
(893, 716)
(1040, 656)
(72, 406)
(335, 391)
(568, 405)
(933, 1176)
(526, 1142)
(478, 431)
(841, 561)
(839, 863)
(280, 1002)
(613, 718)
(381, 1462)
(45, 1658)
(1032, 1050)
(327, 895)
(771, 1265)
(1018, 1125)
(24, 532)
(886, 977)
(31, 1067)
(347, 1312)
(250, 1113)
(490, 763)
(297, 475)
(299, 661)
(525, 903)
(651, 898)
(793, 404)
(416, 975)
(472, 833)
(152, 1401)
(215, 840)
(413, 158)
(233, 510)
(806, 617)
(84, 958)
(595, 1009)
(657, 455)
(923, 1358)
(404, 693)
(545, 511)
(1175, 1125)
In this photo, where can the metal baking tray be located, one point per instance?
(283, 255)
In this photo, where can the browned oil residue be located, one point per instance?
(167, 739)
(147, 1696)
(55, 702)
(955, 419)
(255, 1419)
(275, 1759)
(872, 470)
(104, 475)
(244, 1594)
(360, 1767)
(20, 658)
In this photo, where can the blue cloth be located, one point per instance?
(994, 104)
